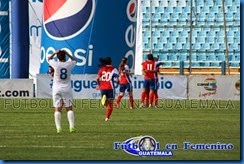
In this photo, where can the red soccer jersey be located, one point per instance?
(147, 66)
(124, 78)
(107, 75)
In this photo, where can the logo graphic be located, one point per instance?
(142, 146)
(237, 85)
(65, 19)
(209, 84)
(131, 10)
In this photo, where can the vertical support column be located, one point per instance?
(20, 39)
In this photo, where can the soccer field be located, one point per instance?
(28, 132)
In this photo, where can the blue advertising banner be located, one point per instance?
(88, 30)
(4, 41)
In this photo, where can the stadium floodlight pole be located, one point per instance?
(150, 26)
(225, 37)
(191, 27)
(20, 39)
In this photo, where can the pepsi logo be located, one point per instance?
(131, 10)
(65, 19)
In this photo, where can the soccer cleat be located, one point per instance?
(141, 105)
(103, 100)
(150, 105)
(106, 119)
(59, 130)
(72, 130)
(131, 107)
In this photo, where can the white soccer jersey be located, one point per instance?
(62, 73)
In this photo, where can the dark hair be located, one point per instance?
(150, 57)
(122, 64)
(61, 55)
(105, 61)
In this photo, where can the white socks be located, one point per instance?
(57, 118)
(70, 116)
(71, 119)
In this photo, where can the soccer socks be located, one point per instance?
(151, 97)
(71, 119)
(143, 95)
(131, 102)
(156, 99)
(109, 110)
(119, 99)
(57, 119)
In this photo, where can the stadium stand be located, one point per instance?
(215, 32)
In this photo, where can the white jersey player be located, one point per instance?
(62, 92)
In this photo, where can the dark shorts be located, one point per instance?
(110, 93)
(125, 87)
(149, 84)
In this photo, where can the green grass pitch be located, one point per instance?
(27, 130)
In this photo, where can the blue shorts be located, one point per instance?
(110, 93)
(124, 87)
(149, 84)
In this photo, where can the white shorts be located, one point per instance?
(62, 98)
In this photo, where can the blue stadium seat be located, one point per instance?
(172, 40)
(231, 57)
(214, 64)
(160, 9)
(209, 3)
(164, 3)
(195, 64)
(232, 9)
(215, 46)
(193, 57)
(167, 64)
(237, 56)
(168, 10)
(206, 46)
(174, 34)
(187, 9)
(228, 2)
(145, 40)
(186, 46)
(173, 57)
(235, 64)
(165, 33)
(235, 46)
(175, 64)
(177, 10)
(210, 39)
(183, 56)
(200, 39)
(196, 46)
(163, 56)
(237, 39)
(178, 46)
(218, 3)
(163, 39)
(211, 57)
(159, 46)
(220, 57)
(205, 9)
(202, 57)
(145, 3)
(168, 46)
(200, 3)
(182, 40)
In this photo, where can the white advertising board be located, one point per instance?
(214, 87)
(84, 87)
(16, 88)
